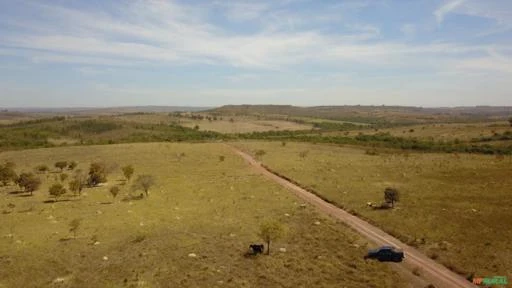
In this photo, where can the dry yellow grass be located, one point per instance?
(199, 205)
(447, 132)
(456, 208)
(244, 125)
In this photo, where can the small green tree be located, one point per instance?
(128, 172)
(74, 225)
(29, 182)
(63, 177)
(271, 231)
(114, 190)
(42, 168)
(391, 196)
(97, 174)
(61, 165)
(72, 165)
(57, 190)
(144, 182)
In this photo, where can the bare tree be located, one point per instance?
(144, 182)
(79, 182)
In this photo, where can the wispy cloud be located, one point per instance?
(282, 42)
(446, 8)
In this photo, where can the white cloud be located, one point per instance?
(446, 8)
(165, 33)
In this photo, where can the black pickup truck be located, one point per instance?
(385, 254)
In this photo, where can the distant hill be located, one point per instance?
(374, 114)
(103, 110)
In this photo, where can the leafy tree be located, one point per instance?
(271, 231)
(128, 172)
(114, 191)
(74, 225)
(196, 127)
(97, 174)
(143, 182)
(63, 177)
(260, 153)
(61, 165)
(7, 173)
(72, 165)
(42, 168)
(29, 182)
(391, 196)
(57, 190)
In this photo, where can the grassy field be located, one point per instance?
(199, 205)
(446, 132)
(244, 125)
(454, 207)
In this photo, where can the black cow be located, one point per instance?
(257, 248)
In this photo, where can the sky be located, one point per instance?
(99, 53)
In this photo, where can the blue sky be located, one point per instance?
(67, 53)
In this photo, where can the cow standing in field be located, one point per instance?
(257, 248)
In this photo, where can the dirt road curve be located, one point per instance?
(431, 271)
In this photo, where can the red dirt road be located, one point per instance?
(431, 271)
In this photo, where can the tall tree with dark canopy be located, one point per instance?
(29, 182)
(391, 196)
(97, 174)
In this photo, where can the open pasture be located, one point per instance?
(192, 231)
